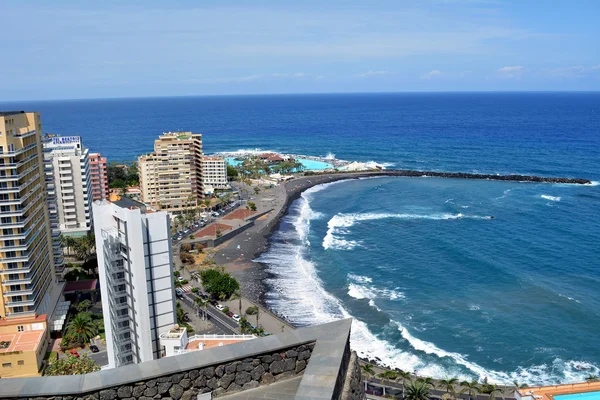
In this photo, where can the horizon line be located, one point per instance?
(299, 94)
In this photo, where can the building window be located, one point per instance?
(21, 362)
(7, 365)
(20, 328)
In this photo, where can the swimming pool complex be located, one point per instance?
(578, 396)
(310, 165)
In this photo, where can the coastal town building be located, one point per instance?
(135, 267)
(214, 173)
(68, 159)
(176, 341)
(29, 288)
(171, 176)
(26, 262)
(23, 345)
(52, 204)
(98, 176)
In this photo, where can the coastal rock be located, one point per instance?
(176, 378)
(176, 392)
(124, 392)
(108, 394)
(194, 374)
(300, 366)
(200, 382)
(185, 383)
(250, 385)
(209, 372)
(219, 371)
(212, 383)
(150, 392)
(266, 359)
(291, 354)
(242, 377)
(304, 355)
(234, 387)
(226, 380)
(267, 379)
(289, 364)
(257, 372)
(164, 387)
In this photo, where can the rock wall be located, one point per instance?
(219, 379)
(354, 386)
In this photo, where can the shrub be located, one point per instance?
(186, 258)
(184, 282)
(252, 310)
(195, 290)
(225, 310)
(186, 247)
(176, 273)
(252, 206)
(191, 237)
(72, 366)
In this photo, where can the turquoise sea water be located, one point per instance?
(432, 282)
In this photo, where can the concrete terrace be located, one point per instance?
(331, 371)
(548, 392)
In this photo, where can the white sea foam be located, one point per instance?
(298, 294)
(338, 225)
(474, 307)
(594, 183)
(371, 292)
(569, 298)
(243, 152)
(551, 198)
(375, 164)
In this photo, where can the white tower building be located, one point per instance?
(68, 159)
(135, 264)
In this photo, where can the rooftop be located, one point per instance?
(80, 286)
(9, 113)
(21, 341)
(127, 202)
(24, 320)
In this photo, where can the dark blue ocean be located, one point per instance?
(435, 284)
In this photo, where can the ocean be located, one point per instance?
(442, 276)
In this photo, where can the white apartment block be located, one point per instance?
(66, 158)
(214, 173)
(135, 265)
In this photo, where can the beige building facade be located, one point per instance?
(27, 273)
(171, 176)
(23, 346)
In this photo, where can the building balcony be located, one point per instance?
(24, 292)
(21, 303)
(24, 281)
(22, 150)
(22, 270)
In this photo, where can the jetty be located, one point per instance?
(491, 177)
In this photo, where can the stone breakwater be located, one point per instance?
(464, 175)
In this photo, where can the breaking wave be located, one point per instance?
(551, 198)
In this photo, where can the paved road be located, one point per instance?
(216, 317)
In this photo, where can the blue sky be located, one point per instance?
(77, 49)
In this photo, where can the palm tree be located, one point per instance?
(82, 328)
(199, 303)
(417, 390)
(448, 384)
(470, 387)
(427, 381)
(491, 389)
(237, 295)
(367, 369)
(404, 376)
(387, 376)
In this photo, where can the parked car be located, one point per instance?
(229, 314)
(236, 318)
(94, 348)
(186, 231)
(74, 353)
(180, 278)
(178, 292)
(219, 307)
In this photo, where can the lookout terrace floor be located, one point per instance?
(548, 392)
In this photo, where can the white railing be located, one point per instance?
(221, 337)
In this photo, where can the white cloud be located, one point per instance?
(299, 74)
(574, 71)
(432, 74)
(247, 78)
(371, 73)
(319, 77)
(514, 71)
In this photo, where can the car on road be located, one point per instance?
(94, 348)
(219, 307)
(180, 278)
(179, 292)
(236, 318)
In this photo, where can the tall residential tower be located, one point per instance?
(98, 174)
(171, 176)
(135, 265)
(68, 159)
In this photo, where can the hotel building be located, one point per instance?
(98, 175)
(135, 265)
(28, 285)
(214, 173)
(171, 176)
(67, 159)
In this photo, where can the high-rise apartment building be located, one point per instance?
(136, 278)
(171, 176)
(26, 262)
(69, 161)
(98, 175)
(214, 173)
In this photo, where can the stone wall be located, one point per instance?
(354, 386)
(220, 379)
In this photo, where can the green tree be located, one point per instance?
(427, 381)
(251, 206)
(490, 389)
(417, 390)
(200, 305)
(82, 328)
(72, 366)
(256, 190)
(448, 384)
(387, 376)
(470, 387)
(220, 285)
(237, 295)
(182, 315)
(368, 370)
(403, 376)
(232, 173)
(253, 310)
(84, 305)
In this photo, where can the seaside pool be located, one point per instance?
(309, 165)
(578, 396)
